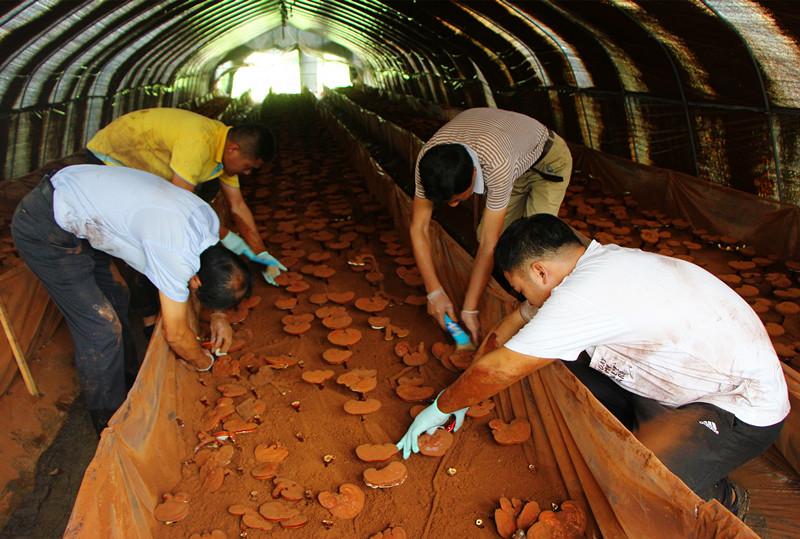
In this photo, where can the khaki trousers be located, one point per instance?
(535, 191)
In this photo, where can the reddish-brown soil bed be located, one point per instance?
(306, 438)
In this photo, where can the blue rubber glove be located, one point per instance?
(235, 244)
(274, 266)
(270, 273)
(427, 421)
(266, 259)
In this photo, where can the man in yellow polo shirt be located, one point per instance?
(188, 149)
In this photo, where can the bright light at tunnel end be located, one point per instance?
(282, 72)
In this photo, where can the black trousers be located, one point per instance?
(79, 280)
(699, 442)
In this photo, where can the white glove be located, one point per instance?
(211, 358)
(439, 305)
(273, 265)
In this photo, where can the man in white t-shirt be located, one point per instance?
(68, 228)
(664, 344)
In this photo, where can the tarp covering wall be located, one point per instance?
(32, 315)
(139, 454)
(771, 227)
(789, 442)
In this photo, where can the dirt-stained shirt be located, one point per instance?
(156, 227)
(662, 328)
(166, 142)
(506, 144)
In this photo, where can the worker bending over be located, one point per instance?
(521, 166)
(188, 149)
(670, 350)
(67, 229)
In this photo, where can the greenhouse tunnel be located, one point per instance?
(683, 121)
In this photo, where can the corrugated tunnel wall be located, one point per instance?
(707, 87)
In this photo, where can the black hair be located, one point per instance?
(254, 140)
(445, 170)
(224, 278)
(535, 237)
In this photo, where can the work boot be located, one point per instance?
(100, 419)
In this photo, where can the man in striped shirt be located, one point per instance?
(522, 167)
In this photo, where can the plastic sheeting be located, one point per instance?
(770, 227)
(32, 315)
(789, 442)
(704, 86)
(138, 456)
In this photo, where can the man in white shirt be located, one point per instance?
(664, 344)
(522, 168)
(68, 228)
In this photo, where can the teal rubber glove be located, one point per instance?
(427, 421)
(274, 266)
(266, 259)
(235, 244)
(270, 273)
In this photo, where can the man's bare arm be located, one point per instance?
(491, 229)
(421, 212)
(487, 376)
(243, 218)
(180, 337)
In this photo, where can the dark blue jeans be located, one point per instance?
(79, 280)
(699, 442)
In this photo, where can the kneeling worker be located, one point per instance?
(521, 166)
(68, 228)
(663, 344)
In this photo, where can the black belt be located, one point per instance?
(46, 186)
(548, 144)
